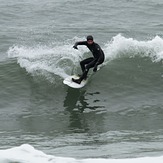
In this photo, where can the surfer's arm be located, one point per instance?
(95, 67)
(100, 58)
(96, 64)
(79, 43)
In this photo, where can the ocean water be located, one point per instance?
(117, 117)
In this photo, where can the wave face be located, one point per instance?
(62, 60)
(120, 106)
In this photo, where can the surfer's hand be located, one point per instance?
(75, 47)
(95, 68)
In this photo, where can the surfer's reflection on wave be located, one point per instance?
(75, 104)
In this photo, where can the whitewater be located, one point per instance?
(28, 154)
(63, 60)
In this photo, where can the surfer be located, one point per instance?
(92, 62)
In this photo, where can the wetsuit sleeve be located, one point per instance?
(100, 58)
(100, 54)
(80, 43)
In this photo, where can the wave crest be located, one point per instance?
(61, 59)
(120, 46)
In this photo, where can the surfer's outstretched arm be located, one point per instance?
(79, 43)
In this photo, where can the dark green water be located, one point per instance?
(119, 112)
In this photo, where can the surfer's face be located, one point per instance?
(90, 42)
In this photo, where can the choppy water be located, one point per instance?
(118, 114)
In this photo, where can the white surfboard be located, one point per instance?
(68, 81)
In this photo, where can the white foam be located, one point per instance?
(61, 59)
(120, 46)
(28, 154)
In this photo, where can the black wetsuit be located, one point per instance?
(98, 58)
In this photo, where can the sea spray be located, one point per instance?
(62, 60)
(120, 46)
(59, 60)
(27, 153)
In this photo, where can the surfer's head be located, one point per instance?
(90, 39)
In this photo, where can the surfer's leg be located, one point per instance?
(82, 77)
(85, 62)
(91, 64)
(87, 67)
